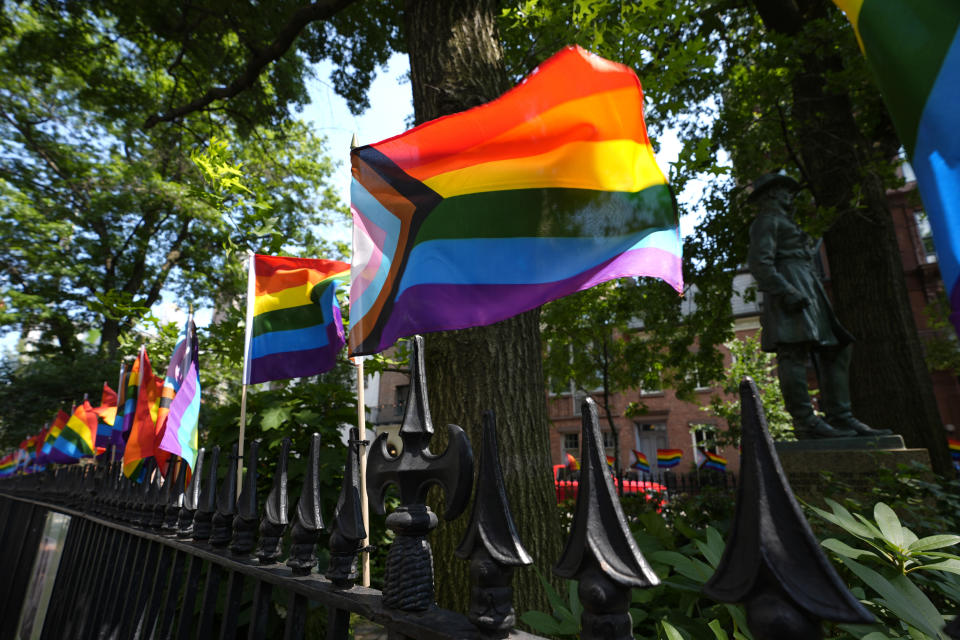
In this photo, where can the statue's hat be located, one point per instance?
(770, 180)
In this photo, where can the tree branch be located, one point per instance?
(260, 60)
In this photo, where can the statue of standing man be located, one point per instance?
(797, 318)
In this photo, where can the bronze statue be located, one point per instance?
(796, 316)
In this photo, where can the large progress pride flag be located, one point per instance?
(913, 48)
(294, 328)
(473, 218)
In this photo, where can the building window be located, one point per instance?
(927, 251)
(652, 383)
(648, 437)
(571, 442)
(400, 396)
(704, 438)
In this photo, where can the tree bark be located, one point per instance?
(890, 384)
(456, 63)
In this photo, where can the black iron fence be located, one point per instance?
(166, 559)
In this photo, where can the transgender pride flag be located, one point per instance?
(476, 217)
(180, 399)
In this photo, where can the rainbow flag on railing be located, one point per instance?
(572, 463)
(52, 434)
(713, 461)
(78, 437)
(476, 217)
(294, 328)
(641, 463)
(913, 48)
(180, 399)
(668, 458)
(954, 446)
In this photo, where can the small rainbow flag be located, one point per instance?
(611, 462)
(667, 458)
(294, 328)
(954, 446)
(572, 463)
(641, 464)
(713, 461)
(478, 216)
(52, 434)
(78, 437)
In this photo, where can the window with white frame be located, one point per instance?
(704, 438)
(927, 250)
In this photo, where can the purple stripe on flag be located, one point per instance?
(443, 307)
(299, 364)
(180, 406)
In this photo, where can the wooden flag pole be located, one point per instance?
(364, 504)
(248, 331)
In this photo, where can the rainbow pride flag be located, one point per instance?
(8, 464)
(611, 462)
(142, 439)
(294, 328)
(913, 49)
(129, 407)
(954, 446)
(52, 434)
(641, 463)
(572, 463)
(78, 437)
(107, 413)
(180, 416)
(713, 461)
(476, 217)
(667, 458)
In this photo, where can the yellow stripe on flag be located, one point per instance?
(283, 299)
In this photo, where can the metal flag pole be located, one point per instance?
(248, 330)
(362, 435)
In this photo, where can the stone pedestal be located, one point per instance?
(852, 461)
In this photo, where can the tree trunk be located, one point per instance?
(890, 384)
(456, 63)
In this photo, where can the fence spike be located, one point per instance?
(226, 503)
(191, 498)
(347, 532)
(162, 494)
(491, 542)
(275, 511)
(207, 503)
(601, 552)
(772, 560)
(308, 522)
(245, 522)
(408, 581)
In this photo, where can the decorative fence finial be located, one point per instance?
(491, 542)
(347, 532)
(308, 523)
(226, 503)
(408, 580)
(772, 561)
(207, 504)
(275, 511)
(245, 522)
(601, 552)
(191, 498)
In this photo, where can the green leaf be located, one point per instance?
(952, 566)
(671, 631)
(575, 607)
(843, 519)
(889, 524)
(541, 622)
(273, 417)
(843, 549)
(739, 617)
(689, 567)
(934, 542)
(901, 597)
(717, 629)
